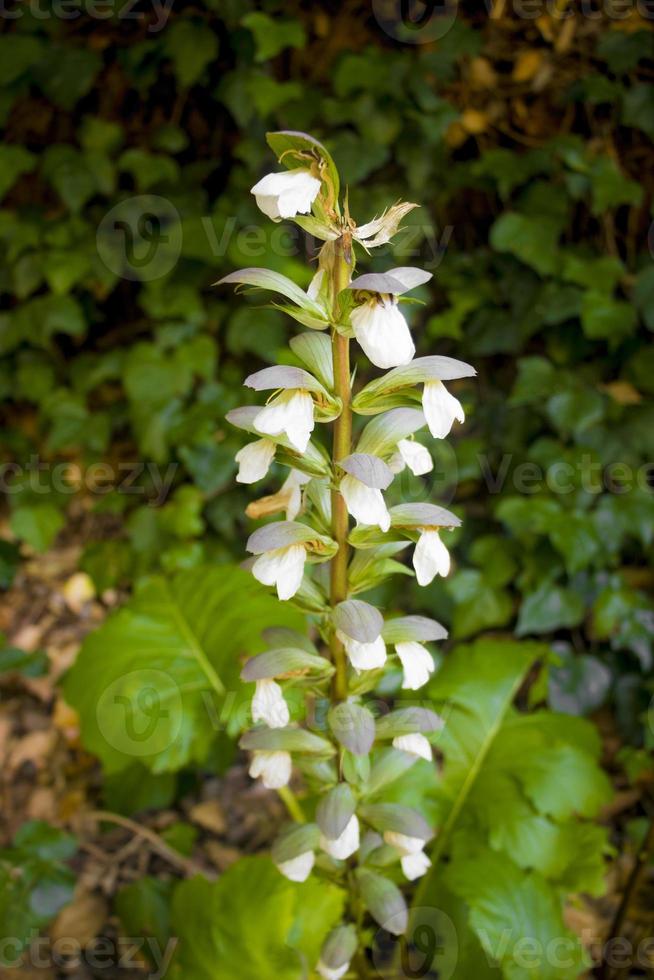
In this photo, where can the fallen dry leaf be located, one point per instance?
(209, 815)
(527, 65)
(82, 920)
(77, 591)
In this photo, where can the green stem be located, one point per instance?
(341, 448)
(288, 798)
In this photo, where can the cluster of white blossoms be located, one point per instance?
(306, 555)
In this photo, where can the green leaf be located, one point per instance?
(252, 923)
(579, 683)
(144, 909)
(548, 609)
(532, 239)
(150, 683)
(273, 35)
(611, 188)
(14, 162)
(515, 916)
(191, 45)
(605, 317)
(638, 108)
(644, 295)
(34, 883)
(28, 664)
(37, 524)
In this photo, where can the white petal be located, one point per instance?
(283, 195)
(283, 567)
(403, 843)
(269, 706)
(290, 412)
(274, 768)
(345, 845)
(292, 486)
(364, 656)
(440, 408)
(332, 973)
(430, 557)
(416, 456)
(298, 868)
(415, 744)
(417, 662)
(269, 206)
(254, 460)
(365, 504)
(415, 865)
(383, 333)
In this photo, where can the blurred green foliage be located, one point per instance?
(132, 143)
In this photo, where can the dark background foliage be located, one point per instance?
(131, 144)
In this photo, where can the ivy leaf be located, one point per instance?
(531, 238)
(14, 162)
(251, 923)
(145, 682)
(605, 317)
(273, 35)
(191, 45)
(549, 608)
(579, 683)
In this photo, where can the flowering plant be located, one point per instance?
(316, 559)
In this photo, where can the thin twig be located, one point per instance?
(187, 865)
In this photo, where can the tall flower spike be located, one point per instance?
(314, 385)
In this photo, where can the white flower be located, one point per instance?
(403, 843)
(291, 412)
(430, 557)
(269, 706)
(417, 662)
(415, 744)
(283, 195)
(383, 332)
(291, 488)
(345, 845)
(298, 868)
(332, 973)
(415, 865)
(365, 504)
(283, 567)
(414, 455)
(364, 656)
(440, 408)
(274, 768)
(254, 460)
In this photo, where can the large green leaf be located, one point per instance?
(516, 916)
(159, 680)
(252, 924)
(519, 809)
